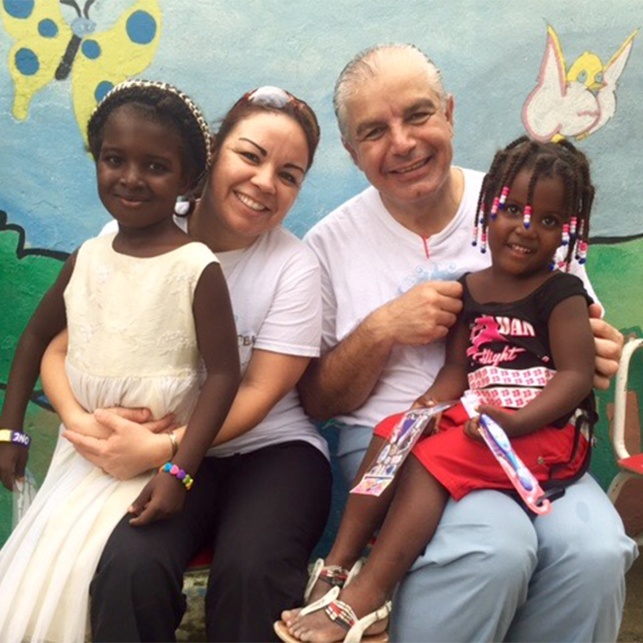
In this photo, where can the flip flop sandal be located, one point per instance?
(344, 615)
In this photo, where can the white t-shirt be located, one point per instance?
(274, 288)
(367, 259)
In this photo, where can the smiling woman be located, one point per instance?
(256, 179)
(261, 498)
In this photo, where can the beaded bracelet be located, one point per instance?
(15, 437)
(180, 474)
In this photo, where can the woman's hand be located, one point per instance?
(129, 448)
(608, 342)
(86, 423)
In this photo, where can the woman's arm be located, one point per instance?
(59, 393)
(131, 449)
(268, 378)
(75, 418)
(572, 347)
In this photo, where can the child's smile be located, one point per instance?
(521, 250)
(139, 169)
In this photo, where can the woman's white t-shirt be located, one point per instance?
(274, 287)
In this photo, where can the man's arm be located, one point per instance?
(342, 379)
(608, 343)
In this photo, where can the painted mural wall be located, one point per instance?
(553, 69)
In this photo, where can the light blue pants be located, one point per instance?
(492, 572)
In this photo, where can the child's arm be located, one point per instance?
(572, 346)
(48, 320)
(217, 338)
(451, 380)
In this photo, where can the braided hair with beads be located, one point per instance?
(546, 160)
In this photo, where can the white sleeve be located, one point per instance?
(292, 325)
(328, 300)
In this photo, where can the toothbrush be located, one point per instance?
(522, 479)
(519, 475)
(501, 442)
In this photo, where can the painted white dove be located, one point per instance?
(577, 102)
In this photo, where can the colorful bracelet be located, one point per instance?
(15, 437)
(180, 474)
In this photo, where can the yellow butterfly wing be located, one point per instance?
(41, 36)
(107, 58)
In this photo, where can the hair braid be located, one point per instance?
(546, 160)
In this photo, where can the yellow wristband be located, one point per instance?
(15, 437)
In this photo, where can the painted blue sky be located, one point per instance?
(215, 50)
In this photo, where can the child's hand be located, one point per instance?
(13, 461)
(161, 497)
(507, 421)
(423, 402)
(426, 402)
(471, 429)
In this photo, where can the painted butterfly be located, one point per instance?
(47, 47)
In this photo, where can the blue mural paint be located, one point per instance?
(20, 9)
(91, 49)
(47, 28)
(101, 90)
(27, 62)
(141, 28)
(83, 26)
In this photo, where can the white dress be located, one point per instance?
(132, 342)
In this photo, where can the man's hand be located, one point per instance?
(608, 342)
(423, 314)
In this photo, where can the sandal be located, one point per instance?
(334, 575)
(344, 615)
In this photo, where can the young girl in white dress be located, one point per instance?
(150, 325)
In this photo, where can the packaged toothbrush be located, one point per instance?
(409, 426)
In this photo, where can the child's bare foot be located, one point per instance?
(339, 613)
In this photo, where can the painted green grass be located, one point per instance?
(616, 271)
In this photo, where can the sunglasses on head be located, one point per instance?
(277, 98)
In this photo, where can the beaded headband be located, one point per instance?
(170, 89)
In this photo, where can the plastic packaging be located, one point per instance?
(409, 427)
(23, 494)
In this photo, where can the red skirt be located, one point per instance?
(462, 464)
